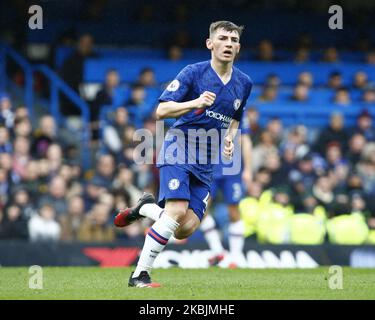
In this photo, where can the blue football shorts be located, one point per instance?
(176, 182)
(230, 186)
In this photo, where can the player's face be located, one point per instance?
(224, 45)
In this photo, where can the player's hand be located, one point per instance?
(247, 177)
(228, 148)
(206, 99)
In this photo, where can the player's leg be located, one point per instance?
(233, 194)
(188, 225)
(211, 233)
(209, 230)
(174, 192)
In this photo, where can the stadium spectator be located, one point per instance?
(13, 225)
(5, 186)
(333, 155)
(95, 227)
(33, 181)
(43, 227)
(105, 170)
(275, 127)
(368, 96)
(265, 147)
(357, 144)
(340, 175)
(308, 204)
(303, 177)
(342, 97)
(265, 51)
(105, 95)
(330, 55)
(146, 78)
(22, 127)
(71, 222)
(93, 189)
(124, 183)
(358, 205)
(175, 53)
(6, 112)
(279, 172)
(44, 136)
(335, 80)
(370, 57)
(336, 132)
(21, 198)
(21, 157)
(302, 55)
(72, 68)
(295, 143)
(269, 94)
(360, 80)
(364, 126)
(300, 93)
(273, 80)
(252, 116)
(21, 112)
(137, 107)
(5, 143)
(263, 177)
(323, 191)
(56, 197)
(112, 133)
(73, 181)
(306, 78)
(366, 171)
(55, 158)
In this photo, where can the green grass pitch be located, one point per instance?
(189, 284)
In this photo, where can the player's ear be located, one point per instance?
(239, 47)
(209, 44)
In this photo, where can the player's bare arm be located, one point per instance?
(229, 137)
(247, 149)
(172, 109)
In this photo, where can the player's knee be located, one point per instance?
(185, 231)
(176, 210)
(186, 228)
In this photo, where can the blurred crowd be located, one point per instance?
(45, 195)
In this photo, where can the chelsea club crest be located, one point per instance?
(236, 104)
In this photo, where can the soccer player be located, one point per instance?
(209, 95)
(231, 187)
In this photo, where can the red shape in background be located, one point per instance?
(117, 257)
(199, 111)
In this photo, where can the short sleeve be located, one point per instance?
(245, 125)
(239, 113)
(179, 87)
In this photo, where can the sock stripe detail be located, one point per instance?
(236, 235)
(157, 237)
(209, 230)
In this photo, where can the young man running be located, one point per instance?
(208, 95)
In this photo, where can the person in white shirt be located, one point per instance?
(43, 226)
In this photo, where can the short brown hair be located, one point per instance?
(226, 25)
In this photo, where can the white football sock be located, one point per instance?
(211, 234)
(155, 241)
(236, 239)
(151, 210)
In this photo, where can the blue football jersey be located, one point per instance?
(196, 152)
